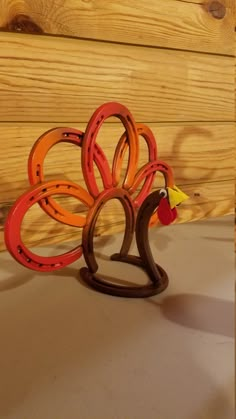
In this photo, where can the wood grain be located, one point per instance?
(206, 200)
(54, 79)
(201, 155)
(197, 153)
(167, 23)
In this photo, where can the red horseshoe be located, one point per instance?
(121, 149)
(15, 217)
(100, 115)
(145, 172)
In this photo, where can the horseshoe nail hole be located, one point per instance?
(28, 260)
(92, 134)
(19, 250)
(128, 118)
(46, 201)
(57, 186)
(44, 190)
(65, 134)
(38, 170)
(32, 198)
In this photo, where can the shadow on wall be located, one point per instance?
(9, 193)
(203, 174)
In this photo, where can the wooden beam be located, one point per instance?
(202, 156)
(55, 79)
(206, 200)
(197, 153)
(191, 25)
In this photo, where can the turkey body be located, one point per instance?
(158, 278)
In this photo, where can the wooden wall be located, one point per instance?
(171, 62)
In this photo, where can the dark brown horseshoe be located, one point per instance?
(88, 231)
(145, 213)
(158, 277)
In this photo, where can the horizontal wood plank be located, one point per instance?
(168, 23)
(54, 79)
(197, 153)
(206, 200)
(202, 157)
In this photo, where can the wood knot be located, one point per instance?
(217, 9)
(23, 23)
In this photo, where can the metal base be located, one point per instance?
(136, 291)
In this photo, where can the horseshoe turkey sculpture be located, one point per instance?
(144, 209)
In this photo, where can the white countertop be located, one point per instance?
(68, 352)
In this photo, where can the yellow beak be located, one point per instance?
(176, 196)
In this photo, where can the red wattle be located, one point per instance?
(164, 212)
(166, 215)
